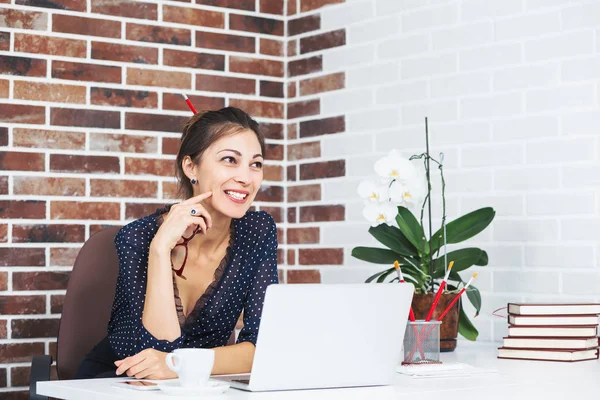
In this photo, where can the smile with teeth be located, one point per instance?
(236, 195)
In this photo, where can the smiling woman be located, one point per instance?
(187, 271)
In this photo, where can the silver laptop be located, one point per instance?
(316, 336)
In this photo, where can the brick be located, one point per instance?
(190, 59)
(63, 257)
(225, 84)
(193, 16)
(124, 53)
(271, 6)
(323, 126)
(219, 41)
(276, 213)
(274, 151)
(148, 77)
(323, 41)
(85, 118)
(322, 213)
(3, 329)
(123, 97)
(292, 48)
(271, 89)
(325, 169)
(22, 114)
(34, 328)
(304, 24)
(123, 143)
(56, 303)
(305, 66)
(259, 108)
(54, 233)
(84, 210)
(247, 5)
(246, 65)
(303, 108)
(320, 256)
(49, 92)
(47, 186)
(273, 173)
(252, 24)
(20, 305)
(146, 166)
(24, 257)
(172, 101)
(50, 45)
(22, 66)
(154, 122)
(270, 194)
(85, 72)
(20, 161)
(303, 235)
(291, 90)
(303, 276)
(137, 210)
(85, 164)
(19, 376)
(3, 286)
(48, 139)
(292, 7)
(54, 280)
(158, 34)
(291, 215)
(5, 41)
(20, 19)
(271, 47)
(125, 8)
(123, 188)
(170, 146)
(3, 184)
(86, 26)
(98, 228)
(72, 5)
(302, 151)
(4, 88)
(291, 173)
(3, 136)
(280, 257)
(309, 5)
(3, 233)
(20, 352)
(291, 258)
(170, 190)
(304, 193)
(322, 84)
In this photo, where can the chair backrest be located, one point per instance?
(88, 301)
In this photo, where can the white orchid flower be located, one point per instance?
(380, 213)
(372, 193)
(395, 167)
(410, 193)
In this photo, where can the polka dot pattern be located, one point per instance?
(252, 267)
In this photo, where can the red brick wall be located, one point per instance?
(90, 116)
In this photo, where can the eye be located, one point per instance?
(229, 159)
(258, 164)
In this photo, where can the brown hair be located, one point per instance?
(204, 129)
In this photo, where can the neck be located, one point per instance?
(212, 241)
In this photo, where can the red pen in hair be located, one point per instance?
(189, 103)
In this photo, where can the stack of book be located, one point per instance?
(552, 332)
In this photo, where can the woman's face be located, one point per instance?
(232, 169)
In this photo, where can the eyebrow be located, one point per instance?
(239, 154)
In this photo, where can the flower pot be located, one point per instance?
(421, 304)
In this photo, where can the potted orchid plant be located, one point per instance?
(403, 187)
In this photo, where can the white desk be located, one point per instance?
(516, 380)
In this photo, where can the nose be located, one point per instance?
(243, 176)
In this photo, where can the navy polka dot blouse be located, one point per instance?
(252, 267)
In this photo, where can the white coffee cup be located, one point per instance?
(193, 366)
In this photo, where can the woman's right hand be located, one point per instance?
(179, 221)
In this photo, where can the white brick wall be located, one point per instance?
(511, 89)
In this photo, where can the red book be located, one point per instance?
(554, 309)
(552, 319)
(548, 355)
(550, 343)
(553, 331)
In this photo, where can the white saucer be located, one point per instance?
(211, 388)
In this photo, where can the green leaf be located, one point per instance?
(465, 327)
(463, 259)
(412, 229)
(393, 238)
(372, 277)
(475, 298)
(483, 260)
(385, 275)
(375, 255)
(463, 228)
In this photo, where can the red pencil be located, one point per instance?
(439, 293)
(411, 314)
(189, 103)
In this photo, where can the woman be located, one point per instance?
(187, 271)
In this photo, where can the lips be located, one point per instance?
(237, 196)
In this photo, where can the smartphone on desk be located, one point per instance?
(140, 384)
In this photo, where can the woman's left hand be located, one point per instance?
(148, 364)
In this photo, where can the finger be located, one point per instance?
(138, 369)
(200, 212)
(197, 199)
(130, 362)
(198, 221)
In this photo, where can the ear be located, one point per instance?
(189, 168)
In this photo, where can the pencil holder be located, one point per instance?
(422, 342)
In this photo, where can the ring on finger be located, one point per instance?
(193, 211)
